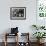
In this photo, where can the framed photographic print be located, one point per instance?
(18, 13)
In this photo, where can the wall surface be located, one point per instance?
(24, 25)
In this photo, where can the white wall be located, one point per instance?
(24, 25)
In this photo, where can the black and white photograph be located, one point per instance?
(18, 13)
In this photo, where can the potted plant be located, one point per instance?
(39, 35)
(38, 27)
(35, 26)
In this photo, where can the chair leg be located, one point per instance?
(5, 43)
(5, 39)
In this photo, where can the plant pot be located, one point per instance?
(40, 40)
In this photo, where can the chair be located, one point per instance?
(14, 32)
(7, 35)
(26, 41)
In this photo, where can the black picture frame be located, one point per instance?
(18, 13)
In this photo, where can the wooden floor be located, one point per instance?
(13, 44)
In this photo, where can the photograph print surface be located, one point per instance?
(17, 13)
